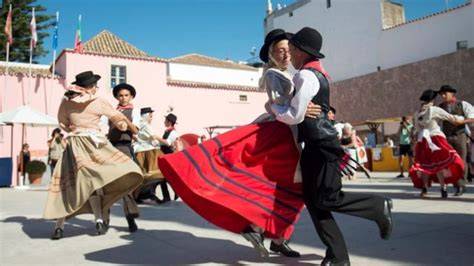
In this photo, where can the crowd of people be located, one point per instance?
(239, 180)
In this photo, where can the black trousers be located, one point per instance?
(322, 195)
(130, 207)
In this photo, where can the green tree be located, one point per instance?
(21, 18)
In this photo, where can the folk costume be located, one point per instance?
(91, 175)
(246, 176)
(322, 156)
(434, 158)
(168, 146)
(456, 134)
(122, 140)
(147, 151)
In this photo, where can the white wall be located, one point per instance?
(208, 74)
(426, 38)
(355, 44)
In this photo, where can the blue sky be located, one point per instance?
(170, 28)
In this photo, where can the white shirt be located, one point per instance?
(145, 140)
(306, 86)
(467, 109)
(104, 121)
(171, 137)
(427, 119)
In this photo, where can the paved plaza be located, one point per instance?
(427, 232)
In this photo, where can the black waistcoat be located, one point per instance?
(165, 148)
(454, 109)
(116, 135)
(308, 127)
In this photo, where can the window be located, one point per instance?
(461, 45)
(243, 98)
(290, 14)
(118, 74)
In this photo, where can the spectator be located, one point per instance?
(405, 131)
(24, 159)
(56, 146)
(389, 142)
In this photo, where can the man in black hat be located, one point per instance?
(122, 140)
(457, 134)
(167, 145)
(322, 153)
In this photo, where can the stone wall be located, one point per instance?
(394, 92)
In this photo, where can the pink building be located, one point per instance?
(202, 91)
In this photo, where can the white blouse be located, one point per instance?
(145, 140)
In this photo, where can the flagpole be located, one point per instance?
(6, 77)
(8, 29)
(31, 56)
(55, 44)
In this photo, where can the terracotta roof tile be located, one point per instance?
(206, 85)
(201, 60)
(107, 43)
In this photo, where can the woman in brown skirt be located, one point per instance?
(147, 150)
(91, 174)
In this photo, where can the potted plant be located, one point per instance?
(35, 170)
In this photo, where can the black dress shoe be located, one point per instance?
(100, 228)
(385, 223)
(423, 193)
(132, 226)
(256, 240)
(176, 197)
(284, 249)
(444, 193)
(460, 190)
(332, 262)
(58, 234)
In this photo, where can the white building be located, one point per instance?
(361, 37)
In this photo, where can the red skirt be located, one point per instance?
(431, 162)
(241, 177)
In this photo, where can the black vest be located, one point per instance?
(165, 148)
(307, 127)
(454, 109)
(117, 136)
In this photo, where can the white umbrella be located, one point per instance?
(27, 116)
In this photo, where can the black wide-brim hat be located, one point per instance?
(273, 36)
(309, 40)
(428, 95)
(86, 79)
(146, 110)
(124, 86)
(447, 88)
(171, 117)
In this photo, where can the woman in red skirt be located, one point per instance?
(244, 180)
(435, 159)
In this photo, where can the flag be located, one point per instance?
(34, 35)
(8, 26)
(55, 36)
(77, 42)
